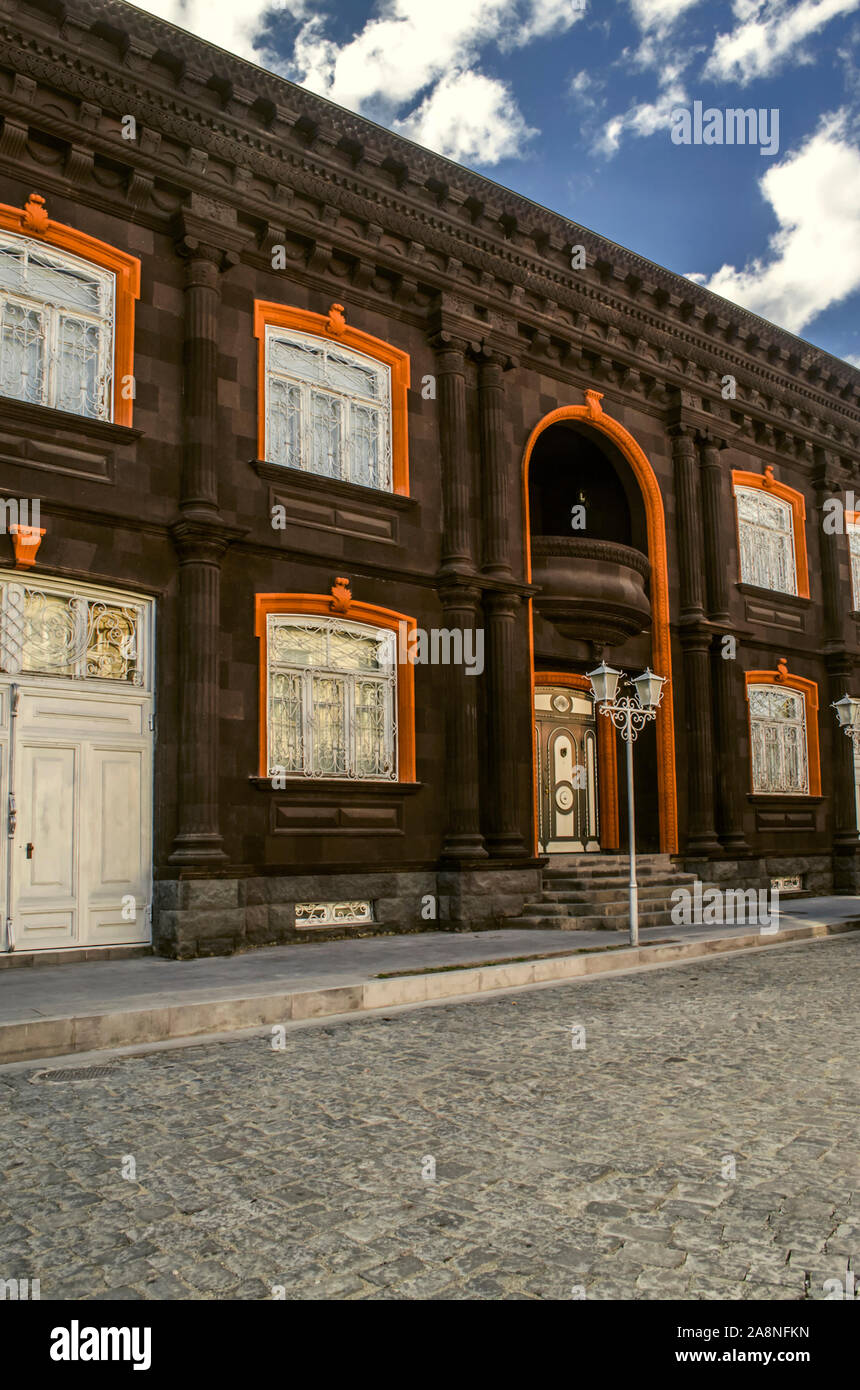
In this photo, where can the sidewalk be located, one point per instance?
(57, 1010)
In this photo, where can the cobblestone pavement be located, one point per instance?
(557, 1169)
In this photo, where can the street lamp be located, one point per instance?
(630, 715)
(848, 714)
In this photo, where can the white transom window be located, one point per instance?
(328, 409)
(778, 732)
(332, 688)
(766, 531)
(80, 633)
(56, 328)
(853, 530)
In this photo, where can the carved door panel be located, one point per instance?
(566, 756)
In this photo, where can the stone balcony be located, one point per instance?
(591, 590)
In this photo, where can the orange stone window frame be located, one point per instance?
(126, 271)
(809, 690)
(767, 483)
(320, 605)
(268, 314)
(607, 768)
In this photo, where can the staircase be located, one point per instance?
(589, 892)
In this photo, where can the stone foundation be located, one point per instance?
(817, 871)
(217, 916)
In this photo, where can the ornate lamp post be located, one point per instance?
(848, 714)
(629, 714)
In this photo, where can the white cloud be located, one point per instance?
(813, 260)
(645, 118)
(851, 359)
(407, 51)
(470, 118)
(770, 33)
(659, 15)
(234, 27)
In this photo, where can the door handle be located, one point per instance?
(30, 848)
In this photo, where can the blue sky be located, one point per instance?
(571, 103)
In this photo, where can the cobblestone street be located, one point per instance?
(558, 1169)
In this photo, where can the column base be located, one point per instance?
(705, 844)
(198, 849)
(510, 845)
(464, 847)
(734, 844)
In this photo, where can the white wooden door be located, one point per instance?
(81, 847)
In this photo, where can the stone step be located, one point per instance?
(615, 882)
(662, 861)
(572, 909)
(551, 902)
(589, 922)
(581, 892)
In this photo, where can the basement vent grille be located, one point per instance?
(339, 914)
(72, 1074)
(788, 883)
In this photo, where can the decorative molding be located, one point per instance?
(25, 543)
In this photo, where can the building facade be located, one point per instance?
(330, 469)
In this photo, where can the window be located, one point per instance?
(778, 733)
(852, 526)
(766, 530)
(332, 399)
(56, 328)
(328, 410)
(771, 534)
(332, 688)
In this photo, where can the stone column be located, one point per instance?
(689, 528)
(201, 539)
(716, 559)
(725, 672)
(695, 642)
(701, 832)
(495, 466)
(463, 838)
(200, 546)
(457, 553)
(505, 716)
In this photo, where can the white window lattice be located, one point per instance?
(766, 531)
(328, 409)
(778, 731)
(56, 328)
(67, 634)
(332, 692)
(854, 550)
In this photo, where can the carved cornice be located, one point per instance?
(254, 125)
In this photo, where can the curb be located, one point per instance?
(50, 1037)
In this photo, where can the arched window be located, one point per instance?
(332, 399)
(783, 718)
(771, 535)
(66, 316)
(56, 328)
(852, 526)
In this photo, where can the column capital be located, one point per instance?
(199, 237)
(443, 341)
(203, 540)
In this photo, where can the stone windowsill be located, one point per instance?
(333, 488)
(774, 595)
(27, 416)
(340, 786)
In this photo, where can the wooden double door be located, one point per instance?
(566, 758)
